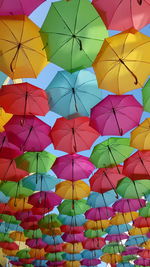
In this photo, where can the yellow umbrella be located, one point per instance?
(21, 48)
(95, 225)
(122, 218)
(140, 136)
(72, 190)
(139, 231)
(4, 118)
(8, 252)
(72, 248)
(18, 236)
(146, 244)
(72, 264)
(123, 62)
(19, 204)
(111, 258)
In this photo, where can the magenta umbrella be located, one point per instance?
(32, 218)
(30, 134)
(128, 205)
(7, 149)
(44, 199)
(116, 237)
(37, 243)
(73, 167)
(123, 112)
(92, 262)
(97, 214)
(18, 7)
(55, 263)
(122, 15)
(21, 215)
(142, 261)
(73, 238)
(131, 251)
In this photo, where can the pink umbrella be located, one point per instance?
(128, 205)
(30, 134)
(73, 238)
(44, 199)
(16, 263)
(73, 167)
(21, 215)
(96, 214)
(137, 166)
(89, 262)
(18, 7)
(94, 243)
(36, 243)
(125, 14)
(142, 261)
(55, 263)
(131, 251)
(116, 237)
(7, 149)
(123, 112)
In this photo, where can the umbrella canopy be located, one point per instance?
(72, 229)
(118, 64)
(123, 112)
(21, 47)
(19, 7)
(116, 237)
(7, 148)
(131, 250)
(72, 41)
(73, 167)
(118, 229)
(33, 234)
(145, 212)
(14, 189)
(111, 152)
(89, 262)
(95, 225)
(52, 240)
(111, 258)
(124, 15)
(121, 218)
(73, 248)
(142, 222)
(99, 213)
(4, 118)
(73, 207)
(39, 162)
(136, 240)
(73, 238)
(36, 243)
(96, 200)
(91, 254)
(44, 199)
(24, 99)
(113, 248)
(94, 233)
(50, 221)
(19, 204)
(70, 135)
(76, 93)
(77, 220)
(128, 205)
(72, 190)
(146, 96)
(140, 136)
(29, 134)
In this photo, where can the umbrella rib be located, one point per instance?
(134, 60)
(10, 31)
(83, 83)
(1, 54)
(29, 62)
(60, 47)
(75, 24)
(114, 66)
(135, 49)
(87, 24)
(115, 11)
(11, 42)
(29, 40)
(66, 80)
(31, 49)
(62, 19)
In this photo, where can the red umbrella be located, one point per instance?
(128, 205)
(142, 222)
(97, 214)
(44, 199)
(10, 172)
(73, 135)
(27, 261)
(30, 135)
(53, 248)
(137, 166)
(7, 149)
(41, 211)
(145, 253)
(9, 245)
(106, 179)
(5, 209)
(33, 225)
(24, 99)
(72, 229)
(94, 243)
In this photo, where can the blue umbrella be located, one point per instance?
(3, 198)
(7, 227)
(118, 229)
(2, 78)
(92, 254)
(136, 240)
(74, 93)
(12, 258)
(125, 264)
(72, 257)
(52, 240)
(77, 220)
(40, 263)
(96, 200)
(40, 182)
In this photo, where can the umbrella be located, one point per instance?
(133, 189)
(89, 262)
(91, 254)
(116, 237)
(72, 229)
(95, 225)
(139, 231)
(4, 118)
(44, 199)
(72, 190)
(21, 47)
(9, 219)
(52, 240)
(141, 222)
(73, 207)
(113, 248)
(121, 218)
(136, 240)
(118, 229)
(19, 7)
(99, 213)
(50, 221)
(33, 234)
(5, 209)
(18, 236)
(142, 262)
(137, 165)
(111, 258)
(93, 243)
(126, 264)
(111, 152)
(24, 99)
(73, 238)
(19, 204)
(93, 234)
(146, 96)
(72, 41)
(128, 205)
(96, 200)
(8, 149)
(37, 253)
(73, 248)
(70, 135)
(54, 248)
(40, 182)
(140, 136)
(73, 167)
(14, 189)
(118, 64)
(77, 220)
(23, 254)
(123, 15)
(146, 244)
(72, 257)
(145, 212)
(38, 162)
(131, 250)
(30, 134)
(123, 112)
(76, 93)
(58, 256)
(9, 245)
(3, 198)
(36, 243)
(144, 253)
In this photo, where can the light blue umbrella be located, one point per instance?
(92, 254)
(118, 229)
(40, 263)
(52, 240)
(3, 198)
(72, 257)
(77, 220)
(12, 258)
(125, 264)
(96, 200)
(136, 240)
(7, 227)
(74, 93)
(2, 78)
(40, 182)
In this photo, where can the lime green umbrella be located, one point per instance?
(38, 162)
(113, 248)
(145, 212)
(146, 96)
(73, 207)
(4, 237)
(14, 189)
(33, 234)
(50, 220)
(72, 39)
(133, 189)
(9, 219)
(94, 233)
(54, 256)
(128, 258)
(111, 152)
(23, 254)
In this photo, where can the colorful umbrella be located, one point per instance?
(111, 258)
(145, 212)
(50, 221)
(121, 218)
(73, 238)
(136, 240)
(36, 243)
(22, 54)
(140, 136)
(70, 135)
(142, 222)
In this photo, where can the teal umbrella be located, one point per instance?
(73, 94)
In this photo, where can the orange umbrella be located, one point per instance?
(19, 204)
(73, 248)
(111, 258)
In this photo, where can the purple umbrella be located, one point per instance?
(131, 251)
(116, 238)
(44, 199)
(96, 214)
(123, 112)
(128, 205)
(89, 262)
(73, 167)
(55, 263)
(73, 238)
(29, 133)
(18, 7)
(142, 261)
(36, 243)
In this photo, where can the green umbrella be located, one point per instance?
(73, 207)
(28, 265)
(113, 248)
(133, 189)
(23, 254)
(146, 96)
(111, 152)
(39, 162)
(54, 256)
(71, 39)
(4, 237)
(50, 220)
(94, 233)
(9, 219)
(33, 234)
(14, 189)
(145, 212)
(128, 258)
